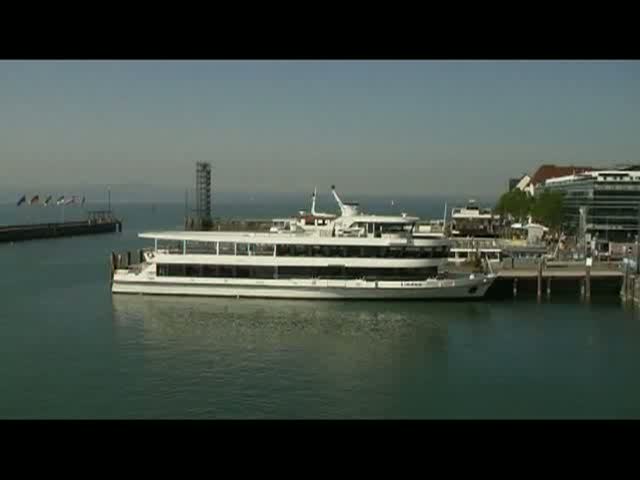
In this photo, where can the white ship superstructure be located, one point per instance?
(313, 256)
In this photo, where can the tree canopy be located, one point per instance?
(516, 203)
(546, 208)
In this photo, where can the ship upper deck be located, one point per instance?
(282, 238)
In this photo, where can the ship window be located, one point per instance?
(192, 270)
(162, 270)
(242, 272)
(412, 252)
(370, 252)
(263, 249)
(263, 272)
(297, 272)
(394, 228)
(194, 247)
(172, 246)
(226, 271)
(352, 251)
(331, 272)
(226, 248)
(175, 270)
(209, 271)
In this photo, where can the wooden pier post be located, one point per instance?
(548, 288)
(128, 258)
(515, 287)
(141, 256)
(625, 283)
(112, 261)
(540, 280)
(587, 281)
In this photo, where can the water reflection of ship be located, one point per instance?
(269, 323)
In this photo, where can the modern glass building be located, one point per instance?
(612, 201)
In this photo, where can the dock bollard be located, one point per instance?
(140, 256)
(128, 259)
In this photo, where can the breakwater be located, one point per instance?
(19, 233)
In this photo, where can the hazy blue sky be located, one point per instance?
(421, 127)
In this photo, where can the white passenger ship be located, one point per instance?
(313, 256)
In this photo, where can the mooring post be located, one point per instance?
(515, 287)
(129, 258)
(140, 256)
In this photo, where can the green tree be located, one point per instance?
(516, 203)
(547, 209)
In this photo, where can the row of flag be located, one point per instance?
(74, 199)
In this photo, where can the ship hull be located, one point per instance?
(460, 288)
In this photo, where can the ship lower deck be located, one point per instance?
(463, 287)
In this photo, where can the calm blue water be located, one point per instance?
(70, 349)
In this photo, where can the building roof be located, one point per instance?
(546, 172)
(523, 183)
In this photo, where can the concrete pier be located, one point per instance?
(574, 279)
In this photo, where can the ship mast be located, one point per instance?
(313, 201)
